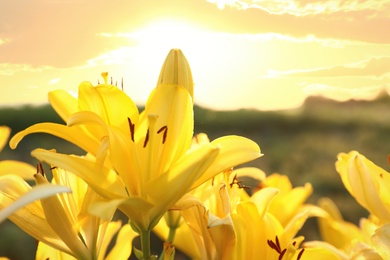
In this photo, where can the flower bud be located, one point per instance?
(176, 70)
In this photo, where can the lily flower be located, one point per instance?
(12, 174)
(291, 200)
(370, 186)
(144, 162)
(345, 239)
(254, 221)
(224, 222)
(62, 222)
(21, 169)
(368, 183)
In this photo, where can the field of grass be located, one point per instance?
(302, 144)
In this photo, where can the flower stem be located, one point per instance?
(171, 236)
(145, 244)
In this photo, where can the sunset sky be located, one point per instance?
(243, 54)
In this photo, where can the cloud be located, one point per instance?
(304, 7)
(374, 67)
(8, 69)
(352, 20)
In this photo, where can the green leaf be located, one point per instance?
(138, 253)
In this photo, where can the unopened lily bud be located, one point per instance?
(176, 70)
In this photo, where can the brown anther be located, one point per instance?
(282, 254)
(275, 245)
(53, 167)
(238, 183)
(146, 138)
(132, 128)
(277, 242)
(165, 129)
(272, 245)
(111, 81)
(122, 84)
(300, 254)
(40, 169)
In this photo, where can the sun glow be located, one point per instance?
(169, 33)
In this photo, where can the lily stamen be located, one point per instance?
(300, 254)
(238, 183)
(165, 129)
(146, 138)
(162, 129)
(132, 128)
(276, 246)
(40, 169)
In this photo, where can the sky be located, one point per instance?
(266, 55)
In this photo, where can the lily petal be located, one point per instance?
(4, 134)
(63, 103)
(176, 70)
(234, 150)
(29, 218)
(381, 241)
(122, 247)
(368, 183)
(110, 103)
(24, 170)
(178, 180)
(129, 206)
(173, 105)
(263, 199)
(36, 193)
(60, 221)
(100, 178)
(73, 135)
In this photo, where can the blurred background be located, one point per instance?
(302, 143)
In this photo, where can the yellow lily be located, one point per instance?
(11, 174)
(207, 208)
(290, 199)
(370, 186)
(260, 218)
(367, 183)
(21, 169)
(121, 249)
(225, 223)
(176, 70)
(343, 238)
(150, 165)
(63, 222)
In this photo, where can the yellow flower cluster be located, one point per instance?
(150, 166)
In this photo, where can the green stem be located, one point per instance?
(145, 244)
(171, 236)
